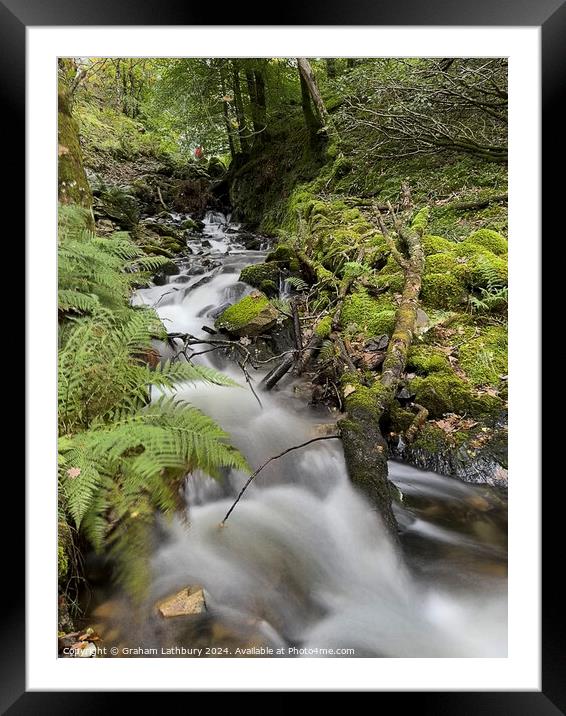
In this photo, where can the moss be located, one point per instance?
(423, 360)
(436, 244)
(257, 275)
(481, 266)
(241, 314)
(442, 290)
(324, 327)
(442, 263)
(489, 239)
(484, 357)
(282, 253)
(399, 419)
(372, 315)
(366, 400)
(442, 393)
(420, 221)
(73, 185)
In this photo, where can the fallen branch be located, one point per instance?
(418, 421)
(266, 463)
(478, 204)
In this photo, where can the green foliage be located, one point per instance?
(484, 357)
(324, 327)
(124, 446)
(98, 272)
(297, 283)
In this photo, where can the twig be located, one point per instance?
(390, 241)
(266, 463)
(249, 382)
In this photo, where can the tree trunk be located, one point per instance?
(239, 107)
(226, 117)
(254, 106)
(261, 100)
(364, 446)
(331, 68)
(311, 120)
(73, 185)
(310, 80)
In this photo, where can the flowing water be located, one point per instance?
(304, 563)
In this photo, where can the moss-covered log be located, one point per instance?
(364, 446)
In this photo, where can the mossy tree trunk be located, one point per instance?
(312, 121)
(73, 184)
(364, 446)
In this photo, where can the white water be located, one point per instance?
(304, 559)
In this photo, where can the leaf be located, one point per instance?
(348, 390)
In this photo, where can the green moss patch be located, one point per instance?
(484, 358)
(373, 316)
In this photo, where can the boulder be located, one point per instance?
(251, 316)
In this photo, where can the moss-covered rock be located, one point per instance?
(373, 316)
(484, 358)
(436, 244)
(282, 253)
(263, 276)
(480, 266)
(423, 360)
(442, 290)
(251, 316)
(489, 239)
(444, 392)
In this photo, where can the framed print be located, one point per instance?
(286, 264)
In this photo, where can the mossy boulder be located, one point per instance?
(251, 316)
(489, 239)
(481, 267)
(442, 290)
(444, 392)
(436, 244)
(263, 276)
(374, 316)
(282, 254)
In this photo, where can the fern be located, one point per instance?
(122, 456)
(297, 283)
(493, 291)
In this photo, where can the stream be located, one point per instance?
(304, 565)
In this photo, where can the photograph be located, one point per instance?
(282, 370)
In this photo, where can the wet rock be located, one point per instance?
(206, 243)
(217, 311)
(196, 270)
(188, 601)
(251, 316)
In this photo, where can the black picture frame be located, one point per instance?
(550, 16)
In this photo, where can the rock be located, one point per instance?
(189, 601)
(217, 311)
(404, 396)
(264, 276)
(206, 243)
(379, 343)
(251, 316)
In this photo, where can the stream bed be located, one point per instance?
(304, 567)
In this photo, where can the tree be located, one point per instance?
(426, 106)
(73, 184)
